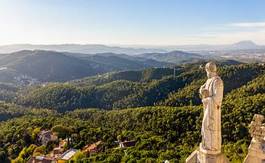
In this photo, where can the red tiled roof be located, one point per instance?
(91, 147)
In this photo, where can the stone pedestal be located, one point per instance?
(203, 156)
(256, 152)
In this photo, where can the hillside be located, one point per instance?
(174, 57)
(123, 62)
(135, 88)
(31, 67)
(161, 132)
(117, 90)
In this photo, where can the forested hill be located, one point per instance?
(29, 67)
(163, 117)
(150, 87)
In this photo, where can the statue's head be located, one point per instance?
(211, 69)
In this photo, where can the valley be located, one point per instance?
(159, 112)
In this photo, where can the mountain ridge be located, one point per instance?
(50, 66)
(127, 49)
(78, 48)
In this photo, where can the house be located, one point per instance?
(58, 151)
(67, 155)
(62, 143)
(42, 159)
(45, 136)
(92, 148)
(126, 144)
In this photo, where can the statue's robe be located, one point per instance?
(211, 124)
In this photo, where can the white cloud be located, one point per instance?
(231, 33)
(249, 24)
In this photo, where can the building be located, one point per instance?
(58, 151)
(92, 148)
(42, 159)
(67, 155)
(45, 136)
(126, 144)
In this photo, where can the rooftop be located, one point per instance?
(68, 154)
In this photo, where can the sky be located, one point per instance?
(131, 22)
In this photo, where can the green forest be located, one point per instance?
(162, 113)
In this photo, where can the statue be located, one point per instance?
(256, 149)
(212, 96)
(257, 128)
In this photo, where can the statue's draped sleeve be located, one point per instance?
(218, 89)
(201, 88)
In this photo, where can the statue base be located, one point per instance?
(206, 156)
(256, 152)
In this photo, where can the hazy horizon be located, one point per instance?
(130, 45)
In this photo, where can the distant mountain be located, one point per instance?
(130, 50)
(242, 45)
(79, 48)
(29, 67)
(245, 45)
(176, 57)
